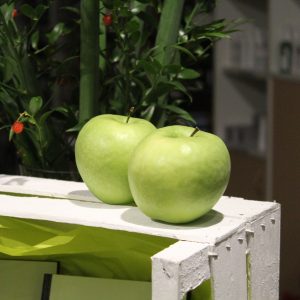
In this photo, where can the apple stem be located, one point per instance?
(131, 110)
(195, 131)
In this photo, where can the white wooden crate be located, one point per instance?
(217, 246)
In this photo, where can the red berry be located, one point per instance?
(107, 20)
(14, 13)
(17, 127)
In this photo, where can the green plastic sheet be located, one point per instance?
(85, 251)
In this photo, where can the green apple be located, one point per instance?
(177, 175)
(102, 151)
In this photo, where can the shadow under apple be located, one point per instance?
(135, 216)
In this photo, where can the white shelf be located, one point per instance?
(78, 206)
(235, 232)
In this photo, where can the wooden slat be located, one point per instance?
(213, 227)
(228, 268)
(228, 215)
(213, 246)
(264, 248)
(45, 187)
(178, 269)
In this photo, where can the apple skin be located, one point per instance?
(177, 178)
(102, 151)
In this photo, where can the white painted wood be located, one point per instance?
(178, 269)
(229, 214)
(215, 245)
(212, 228)
(264, 249)
(228, 268)
(229, 206)
(247, 210)
(51, 188)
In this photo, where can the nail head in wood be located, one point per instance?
(213, 254)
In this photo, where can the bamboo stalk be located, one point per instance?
(102, 39)
(89, 58)
(167, 35)
(168, 29)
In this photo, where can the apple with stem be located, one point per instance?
(103, 149)
(177, 174)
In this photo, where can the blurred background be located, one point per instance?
(248, 94)
(256, 110)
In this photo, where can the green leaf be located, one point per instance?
(217, 34)
(77, 127)
(179, 111)
(113, 79)
(124, 11)
(148, 112)
(56, 32)
(7, 9)
(132, 26)
(41, 50)
(47, 114)
(184, 50)
(134, 38)
(71, 9)
(174, 109)
(31, 120)
(35, 105)
(28, 11)
(10, 69)
(40, 10)
(4, 127)
(180, 87)
(35, 39)
(149, 52)
(151, 67)
(11, 134)
(188, 74)
(158, 90)
(171, 69)
(188, 117)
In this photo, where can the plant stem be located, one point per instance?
(167, 35)
(192, 15)
(41, 152)
(102, 38)
(195, 131)
(131, 110)
(168, 28)
(141, 7)
(89, 58)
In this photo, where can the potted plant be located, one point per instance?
(150, 53)
(143, 53)
(32, 70)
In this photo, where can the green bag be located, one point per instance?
(85, 251)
